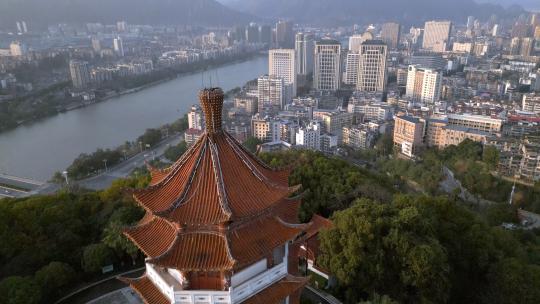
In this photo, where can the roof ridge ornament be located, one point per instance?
(211, 100)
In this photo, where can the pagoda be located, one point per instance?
(220, 226)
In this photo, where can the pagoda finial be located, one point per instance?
(211, 100)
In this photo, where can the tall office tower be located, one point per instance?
(305, 48)
(118, 46)
(351, 68)
(436, 35)
(121, 26)
(282, 63)
(284, 35)
(80, 74)
(390, 34)
(17, 48)
(372, 66)
(470, 23)
(526, 47)
(19, 27)
(535, 19)
(265, 34)
(424, 85)
(327, 70)
(96, 44)
(252, 33)
(271, 93)
(24, 27)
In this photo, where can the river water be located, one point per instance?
(39, 149)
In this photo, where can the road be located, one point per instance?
(122, 170)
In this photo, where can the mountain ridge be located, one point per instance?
(40, 13)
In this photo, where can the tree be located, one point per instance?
(251, 144)
(378, 299)
(490, 156)
(96, 256)
(378, 248)
(512, 281)
(19, 290)
(53, 277)
(173, 153)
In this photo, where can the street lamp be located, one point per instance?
(140, 145)
(105, 161)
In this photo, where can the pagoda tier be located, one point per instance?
(218, 223)
(216, 249)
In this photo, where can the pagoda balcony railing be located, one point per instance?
(236, 294)
(258, 283)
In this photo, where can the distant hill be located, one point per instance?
(39, 13)
(335, 12)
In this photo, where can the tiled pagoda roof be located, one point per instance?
(218, 208)
(147, 290)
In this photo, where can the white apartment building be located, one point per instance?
(372, 66)
(531, 103)
(282, 63)
(309, 137)
(327, 72)
(424, 85)
(476, 122)
(271, 92)
(196, 118)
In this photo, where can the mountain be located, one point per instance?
(527, 4)
(38, 13)
(336, 12)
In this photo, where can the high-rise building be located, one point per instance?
(208, 245)
(284, 35)
(118, 46)
(18, 48)
(282, 63)
(372, 66)
(390, 34)
(121, 26)
(195, 118)
(271, 93)
(436, 35)
(96, 44)
(428, 60)
(305, 49)
(351, 68)
(527, 45)
(531, 103)
(424, 85)
(24, 27)
(356, 40)
(19, 27)
(327, 70)
(265, 34)
(80, 74)
(470, 23)
(252, 33)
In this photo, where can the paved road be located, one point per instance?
(122, 170)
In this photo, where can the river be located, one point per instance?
(39, 149)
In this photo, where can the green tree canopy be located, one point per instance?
(19, 290)
(95, 257)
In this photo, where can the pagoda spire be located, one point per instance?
(212, 104)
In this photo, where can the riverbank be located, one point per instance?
(50, 110)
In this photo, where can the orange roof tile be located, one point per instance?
(197, 251)
(318, 223)
(278, 291)
(153, 237)
(147, 290)
(253, 241)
